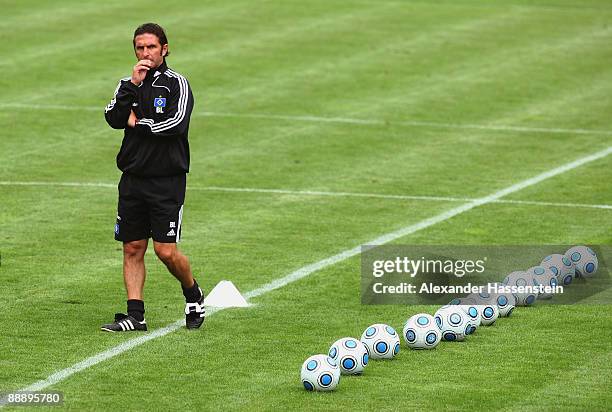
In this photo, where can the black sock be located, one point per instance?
(192, 294)
(135, 309)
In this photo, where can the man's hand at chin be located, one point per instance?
(140, 70)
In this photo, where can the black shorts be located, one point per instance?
(150, 207)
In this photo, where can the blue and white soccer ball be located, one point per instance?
(489, 313)
(520, 278)
(562, 267)
(504, 301)
(381, 341)
(422, 332)
(320, 373)
(351, 354)
(584, 259)
(454, 323)
(541, 275)
(471, 309)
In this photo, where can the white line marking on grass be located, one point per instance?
(324, 193)
(59, 184)
(411, 123)
(309, 269)
(320, 193)
(554, 204)
(397, 197)
(339, 120)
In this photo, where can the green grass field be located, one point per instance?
(456, 99)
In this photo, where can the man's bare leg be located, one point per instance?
(178, 265)
(176, 262)
(133, 277)
(134, 272)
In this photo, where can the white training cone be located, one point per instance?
(225, 295)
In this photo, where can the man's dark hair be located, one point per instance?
(152, 28)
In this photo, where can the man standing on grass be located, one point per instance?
(153, 106)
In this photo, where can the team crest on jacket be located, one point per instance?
(159, 103)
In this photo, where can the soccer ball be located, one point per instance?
(453, 322)
(561, 266)
(487, 311)
(320, 373)
(505, 302)
(471, 309)
(381, 341)
(351, 355)
(520, 278)
(490, 313)
(422, 332)
(585, 260)
(544, 276)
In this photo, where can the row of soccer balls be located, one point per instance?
(555, 269)
(453, 322)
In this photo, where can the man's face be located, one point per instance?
(147, 46)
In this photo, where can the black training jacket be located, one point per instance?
(158, 145)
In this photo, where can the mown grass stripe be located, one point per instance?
(338, 120)
(318, 193)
